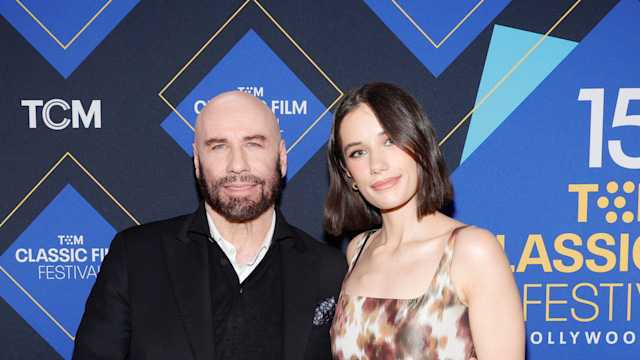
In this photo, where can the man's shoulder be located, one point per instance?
(321, 249)
(333, 264)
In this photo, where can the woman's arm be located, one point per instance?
(483, 279)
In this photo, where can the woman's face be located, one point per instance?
(385, 174)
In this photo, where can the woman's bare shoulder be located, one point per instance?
(353, 244)
(477, 244)
(478, 256)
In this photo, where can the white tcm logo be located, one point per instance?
(79, 115)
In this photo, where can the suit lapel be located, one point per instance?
(188, 266)
(299, 290)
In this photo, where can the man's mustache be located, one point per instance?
(240, 178)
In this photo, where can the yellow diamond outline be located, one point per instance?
(509, 72)
(160, 94)
(66, 155)
(53, 36)
(437, 46)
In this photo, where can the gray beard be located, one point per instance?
(241, 209)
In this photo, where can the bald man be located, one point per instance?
(232, 280)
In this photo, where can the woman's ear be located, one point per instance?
(345, 169)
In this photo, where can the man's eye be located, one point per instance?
(219, 146)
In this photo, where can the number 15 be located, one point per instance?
(620, 118)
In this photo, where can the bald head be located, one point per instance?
(236, 106)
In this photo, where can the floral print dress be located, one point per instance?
(433, 326)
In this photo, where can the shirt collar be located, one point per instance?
(215, 234)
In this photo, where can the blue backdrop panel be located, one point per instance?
(52, 265)
(570, 226)
(253, 67)
(65, 32)
(437, 32)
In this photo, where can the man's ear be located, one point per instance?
(196, 160)
(283, 158)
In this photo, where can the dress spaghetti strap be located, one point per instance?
(359, 247)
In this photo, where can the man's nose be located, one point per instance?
(237, 161)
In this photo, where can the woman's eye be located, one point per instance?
(357, 153)
(389, 142)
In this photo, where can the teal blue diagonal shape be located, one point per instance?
(508, 46)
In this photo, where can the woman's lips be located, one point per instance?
(385, 184)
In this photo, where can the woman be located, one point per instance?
(423, 285)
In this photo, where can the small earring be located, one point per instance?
(354, 186)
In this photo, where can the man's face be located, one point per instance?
(239, 157)
(240, 209)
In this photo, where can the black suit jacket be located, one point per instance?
(152, 297)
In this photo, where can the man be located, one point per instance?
(232, 280)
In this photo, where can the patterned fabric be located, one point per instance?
(324, 311)
(433, 326)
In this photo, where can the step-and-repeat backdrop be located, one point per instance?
(536, 104)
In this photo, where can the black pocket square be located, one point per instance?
(324, 311)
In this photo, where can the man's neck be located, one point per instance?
(249, 234)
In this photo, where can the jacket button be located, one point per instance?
(223, 262)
